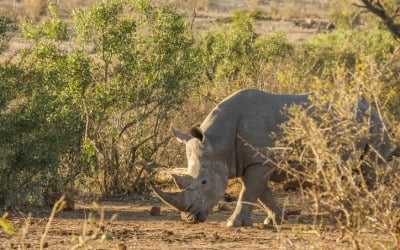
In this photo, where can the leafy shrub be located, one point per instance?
(235, 53)
(145, 67)
(6, 25)
(38, 125)
(345, 46)
(52, 28)
(96, 110)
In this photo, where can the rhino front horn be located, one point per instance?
(175, 200)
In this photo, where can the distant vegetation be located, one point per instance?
(91, 101)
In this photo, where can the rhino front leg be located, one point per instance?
(253, 182)
(276, 214)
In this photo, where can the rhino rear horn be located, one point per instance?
(182, 181)
(175, 200)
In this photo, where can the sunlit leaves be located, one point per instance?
(236, 52)
(7, 226)
(53, 28)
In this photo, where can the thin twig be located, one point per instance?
(56, 208)
(25, 230)
(194, 16)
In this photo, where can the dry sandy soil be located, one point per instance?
(135, 228)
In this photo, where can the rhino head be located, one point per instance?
(205, 182)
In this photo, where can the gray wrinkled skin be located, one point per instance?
(216, 154)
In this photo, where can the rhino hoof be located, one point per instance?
(278, 220)
(240, 222)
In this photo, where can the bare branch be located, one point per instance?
(379, 10)
(194, 16)
(359, 5)
(396, 12)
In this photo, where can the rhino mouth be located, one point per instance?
(193, 218)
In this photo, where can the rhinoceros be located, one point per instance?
(216, 154)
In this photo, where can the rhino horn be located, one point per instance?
(181, 136)
(182, 181)
(175, 199)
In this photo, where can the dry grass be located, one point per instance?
(94, 230)
(136, 228)
(360, 190)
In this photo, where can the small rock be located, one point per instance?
(168, 233)
(45, 245)
(155, 211)
(216, 236)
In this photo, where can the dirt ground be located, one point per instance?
(135, 228)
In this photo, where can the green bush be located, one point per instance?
(37, 125)
(53, 28)
(234, 53)
(143, 67)
(345, 46)
(6, 26)
(94, 112)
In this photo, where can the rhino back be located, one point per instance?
(253, 115)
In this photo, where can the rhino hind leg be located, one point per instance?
(275, 213)
(252, 186)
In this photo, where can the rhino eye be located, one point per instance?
(203, 182)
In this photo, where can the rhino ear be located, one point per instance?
(196, 132)
(182, 181)
(181, 136)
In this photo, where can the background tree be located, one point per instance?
(39, 124)
(143, 66)
(95, 111)
(388, 11)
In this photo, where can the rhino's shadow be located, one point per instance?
(137, 214)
